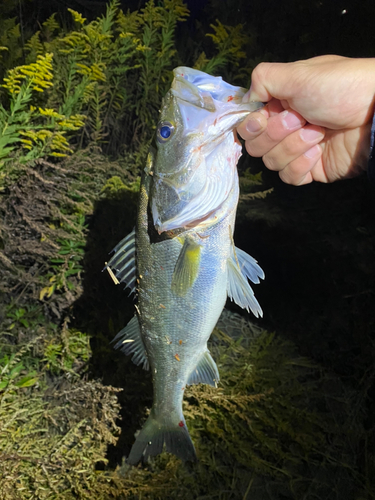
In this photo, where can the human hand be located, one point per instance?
(317, 121)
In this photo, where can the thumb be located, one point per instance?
(270, 80)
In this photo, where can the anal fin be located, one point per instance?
(205, 372)
(130, 342)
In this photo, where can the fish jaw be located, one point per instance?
(193, 172)
(194, 85)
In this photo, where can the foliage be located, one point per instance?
(116, 188)
(105, 78)
(51, 439)
(41, 131)
(269, 422)
(48, 224)
(101, 75)
(231, 42)
(10, 38)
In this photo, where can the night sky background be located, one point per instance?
(283, 30)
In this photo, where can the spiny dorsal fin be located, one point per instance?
(205, 372)
(187, 266)
(123, 262)
(239, 289)
(130, 342)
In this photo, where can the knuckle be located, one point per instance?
(291, 148)
(271, 162)
(274, 131)
(285, 178)
(291, 175)
(288, 179)
(252, 149)
(259, 71)
(296, 171)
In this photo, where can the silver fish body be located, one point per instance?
(181, 258)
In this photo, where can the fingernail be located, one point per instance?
(253, 125)
(310, 134)
(246, 97)
(251, 96)
(290, 120)
(310, 153)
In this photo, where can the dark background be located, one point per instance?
(282, 30)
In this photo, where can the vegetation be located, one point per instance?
(79, 101)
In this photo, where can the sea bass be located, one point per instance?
(180, 259)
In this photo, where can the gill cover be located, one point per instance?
(198, 150)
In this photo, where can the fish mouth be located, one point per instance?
(208, 92)
(203, 90)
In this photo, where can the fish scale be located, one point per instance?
(181, 255)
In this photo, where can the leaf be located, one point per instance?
(3, 384)
(46, 292)
(27, 380)
(16, 370)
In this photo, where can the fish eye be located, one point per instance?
(165, 131)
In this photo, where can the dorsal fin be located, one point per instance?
(123, 262)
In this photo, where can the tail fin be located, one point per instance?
(155, 433)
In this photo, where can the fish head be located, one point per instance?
(195, 166)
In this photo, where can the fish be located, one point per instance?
(180, 260)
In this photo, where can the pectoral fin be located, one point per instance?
(123, 263)
(205, 372)
(187, 266)
(240, 267)
(130, 342)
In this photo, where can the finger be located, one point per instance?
(278, 127)
(319, 173)
(285, 104)
(305, 168)
(253, 125)
(256, 122)
(293, 146)
(275, 107)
